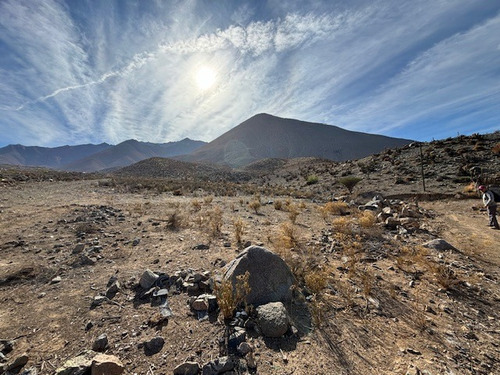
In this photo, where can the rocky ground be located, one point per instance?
(369, 297)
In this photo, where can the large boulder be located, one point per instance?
(270, 278)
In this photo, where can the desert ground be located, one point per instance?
(378, 301)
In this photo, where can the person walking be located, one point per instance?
(491, 206)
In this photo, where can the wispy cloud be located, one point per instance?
(109, 71)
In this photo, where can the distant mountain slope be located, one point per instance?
(47, 157)
(132, 151)
(176, 169)
(265, 136)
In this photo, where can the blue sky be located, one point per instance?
(74, 72)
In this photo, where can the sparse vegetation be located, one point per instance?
(350, 182)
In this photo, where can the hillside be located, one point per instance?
(180, 170)
(265, 136)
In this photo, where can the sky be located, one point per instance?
(91, 71)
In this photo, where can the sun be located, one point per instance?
(205, 77)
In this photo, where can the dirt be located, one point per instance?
(382, 312)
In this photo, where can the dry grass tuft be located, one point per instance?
(230, 296)
(239, 230)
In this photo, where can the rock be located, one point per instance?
(200, 304)
(136, 242)
(236, 338)
(103, 364)
(153, 346)
(148, 279)
(187, 368)
(201, 246)
(17, 363)
(56, 280)
(78, 248)
(97, 301)
(78, 365)
(270, 278)
(272, 319)
(244, 348)
(392, 222)
(100, 343)
(438, 244)
(218, 366)
(113, 289)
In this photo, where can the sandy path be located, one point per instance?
(467, 228)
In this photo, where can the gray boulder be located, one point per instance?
(187, 368)
(439, 244)
(270, 278)
(272, 319)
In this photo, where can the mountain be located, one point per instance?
(47, 157)
(130, 152)
(90, 158)
(265, 136)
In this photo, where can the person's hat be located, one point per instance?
(481, 187)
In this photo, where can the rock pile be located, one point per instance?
(395, 214)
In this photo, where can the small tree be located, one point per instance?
(350, 182)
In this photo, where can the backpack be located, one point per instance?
(496, 196)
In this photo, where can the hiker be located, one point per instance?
(491, 205)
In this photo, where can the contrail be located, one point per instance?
(137, 62)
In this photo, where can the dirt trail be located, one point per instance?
(462, 224)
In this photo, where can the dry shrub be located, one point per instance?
(342, 225)
(174, 221)
(444, 276)
(367, 219)
(255, 205)
(293, 212)
(367, 281)
(215, 221)
(470, 189)
(335, 208)
(287, 237)
(316, 280)
(239, 229)
(278, 204)
(229, 297)
(196, 205)
(208, 199)
(496, 149)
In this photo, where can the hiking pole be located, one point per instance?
(422, 165)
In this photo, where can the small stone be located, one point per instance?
(113, 289)
(56, 280)
(244, 348)
(200, 304)
(88, 326)
(413, 351)
(97, 301)
(101, 343)
(148, 279)
(201, 246)
(136, 242)
(153, 346)
(103, 364)
(78, 248)
(187, 368)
